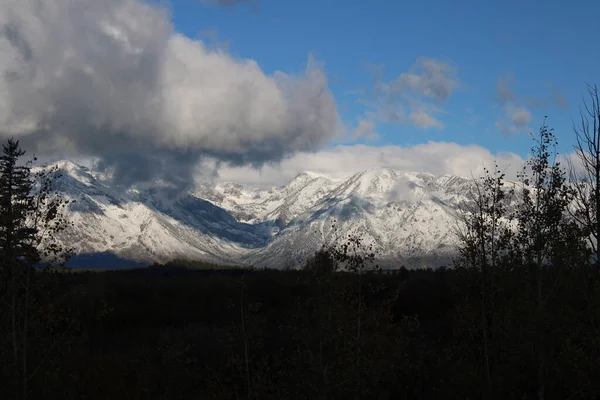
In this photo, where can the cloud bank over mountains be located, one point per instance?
(112, 79)
(340, 162)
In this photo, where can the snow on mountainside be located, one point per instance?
(406, 216)
(409, 217)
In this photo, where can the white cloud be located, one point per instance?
(402, 190)
(515, 117)
(112, 79)
(428, 78)
(365, 129)
(519, 116)
(414, 97)
(342, 161)
(423, 120)
(572, 162)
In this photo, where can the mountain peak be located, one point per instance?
(63, 165)
(69, 171)
(68, 166)
(304, 179)
(308, 176)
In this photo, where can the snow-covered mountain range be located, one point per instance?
(410, 218)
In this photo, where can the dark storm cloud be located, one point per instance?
(111, 79)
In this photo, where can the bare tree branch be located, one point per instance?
(586, 179)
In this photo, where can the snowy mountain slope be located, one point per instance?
(275, 204)
(139, 225)
(408, 217)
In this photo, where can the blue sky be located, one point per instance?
(261, 90)
(543, 52)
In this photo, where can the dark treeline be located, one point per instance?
(295, 334)
(516, 317)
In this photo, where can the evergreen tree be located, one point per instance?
(30, 218)
(16, 205)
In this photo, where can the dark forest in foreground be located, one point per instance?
(179, 333)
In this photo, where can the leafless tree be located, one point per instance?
(483, 233)
(584, 172)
